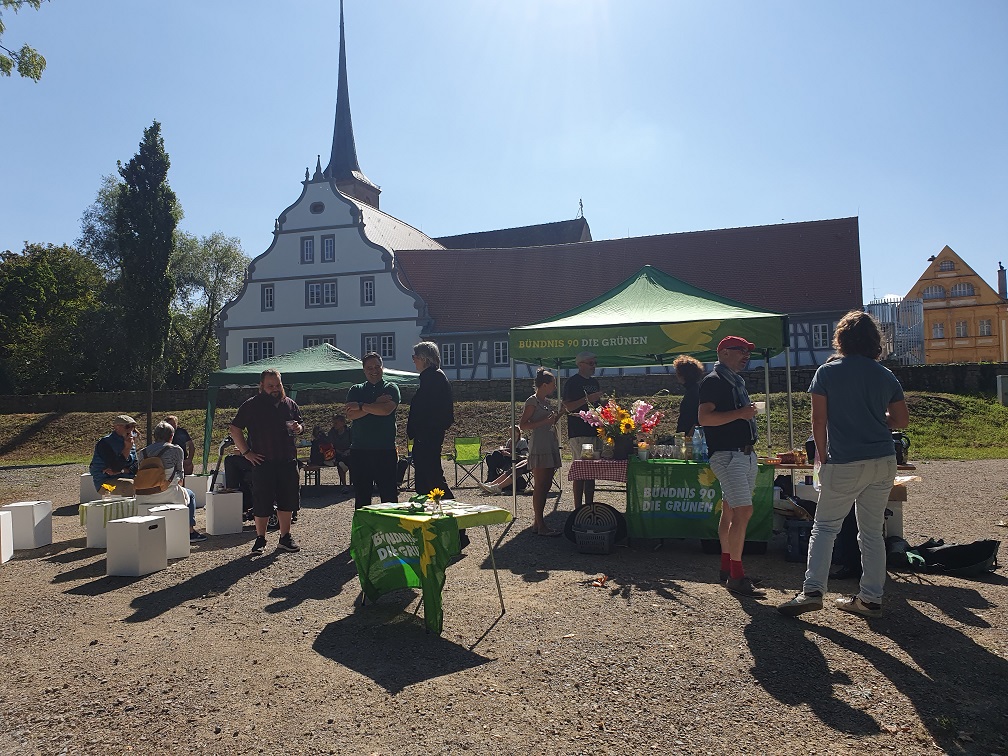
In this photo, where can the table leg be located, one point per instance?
(493, 563)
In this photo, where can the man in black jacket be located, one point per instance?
(431, 414)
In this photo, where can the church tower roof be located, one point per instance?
(343, 167)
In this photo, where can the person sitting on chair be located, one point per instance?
(115, 460)
(500, 462)
(339, 437)
(173, 458)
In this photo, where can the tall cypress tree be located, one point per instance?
(145, 224)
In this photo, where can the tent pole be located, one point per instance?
(514, 447)
(790, 417)
(766, 393)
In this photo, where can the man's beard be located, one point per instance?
(279, 396)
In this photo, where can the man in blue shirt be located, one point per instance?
(115, 460)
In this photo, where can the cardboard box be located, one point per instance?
(31, 523)
(176, 528)
(6, 536)
(136, 546)
(87, 489)
(898, 493)
(223, 513)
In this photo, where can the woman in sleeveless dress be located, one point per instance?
(539, 420)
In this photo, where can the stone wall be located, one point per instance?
(963, 378)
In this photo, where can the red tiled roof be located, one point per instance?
(793, 268)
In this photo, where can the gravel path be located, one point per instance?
(224, 654)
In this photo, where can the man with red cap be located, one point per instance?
(726, 415)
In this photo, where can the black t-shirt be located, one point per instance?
(577, 387)
(182, 438)
(734, 435)
(266, 421)
(688, 408)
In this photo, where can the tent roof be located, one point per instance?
(648, 319)
(322, 366)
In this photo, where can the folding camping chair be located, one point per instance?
(406, 468)
(469, 458)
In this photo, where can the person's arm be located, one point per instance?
(382, 406)
(819, 417)
(707, 414)
(583, 402)
(897, 415)
(242, 445)
(526, 422)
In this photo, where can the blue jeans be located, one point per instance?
(192, 506)
(866, 485)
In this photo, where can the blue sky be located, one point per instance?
(662, 116)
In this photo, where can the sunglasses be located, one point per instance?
(739, 349)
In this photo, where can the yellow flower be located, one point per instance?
(626, 426)
(609, 441)
(108, 487)
(601, 432)
(435, 495)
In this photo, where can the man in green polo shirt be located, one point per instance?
(371, 406)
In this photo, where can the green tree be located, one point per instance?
(50, 298)
(209, 272)
(97, 239)
(29, 63)
(145, 221)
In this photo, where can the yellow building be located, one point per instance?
(965, 320)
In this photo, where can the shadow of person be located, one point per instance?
(320, 583)
(792, 669)
(957, 686)
(390, 646)
(213, 581)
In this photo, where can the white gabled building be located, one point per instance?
(328, 275)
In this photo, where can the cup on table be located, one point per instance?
(760, 408)
(292, 427)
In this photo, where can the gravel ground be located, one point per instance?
(226, 654)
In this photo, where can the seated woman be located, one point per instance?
(500, 462)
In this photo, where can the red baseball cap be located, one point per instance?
(729, 342)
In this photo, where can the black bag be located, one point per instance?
(965, 560)
(901, 445)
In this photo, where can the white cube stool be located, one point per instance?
(6, 536)
(199, 484)
(223, 513)
(176, 528)
(172, 495)
(136, 546)
(96, 514)
(31, 523)
(894, 522)
(87, 489)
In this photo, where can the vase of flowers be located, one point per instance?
(434, 497)
(618, 428)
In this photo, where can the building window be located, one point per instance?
(466, 354)
(933, 292)
(962, 330)
(500, 353)
(985, 328)
(267, 297)
(328, 248)
(820, 336)
(307, 249)
(314, 341)
(448, 355)
(367, 291)
(382, 343)
(962, 290)
(320, 293)
(258, 349)
(946, 265)
(937, 330)
(316, 208)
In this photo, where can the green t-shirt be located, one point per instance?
(373, 431)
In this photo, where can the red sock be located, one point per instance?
(736, 570)
(725, 561)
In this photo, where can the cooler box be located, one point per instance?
(136, 546)
(6, 537)
(31, 523)
(176, 528)
(223, 513)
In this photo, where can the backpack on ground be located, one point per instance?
(966, 559)
(150, 476)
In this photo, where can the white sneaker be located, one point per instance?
(855, 605)
(803, 602)
(488, 489)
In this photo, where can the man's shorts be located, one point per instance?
(275, 481)
(578, 441)
(736, 472)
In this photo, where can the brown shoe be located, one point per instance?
(743, 587)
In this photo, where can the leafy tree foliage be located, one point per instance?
(209, 272)
(50, 306)
(29, 63)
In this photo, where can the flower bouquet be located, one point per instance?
(617, 427)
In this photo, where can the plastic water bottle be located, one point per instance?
(698, 441)
(703, 447)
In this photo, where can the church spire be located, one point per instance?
(343, 167)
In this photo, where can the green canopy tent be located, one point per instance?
(650, 319)
(322, 366)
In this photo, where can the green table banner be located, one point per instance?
(669, 498)
(393, 550)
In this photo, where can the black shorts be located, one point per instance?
(278, 482)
